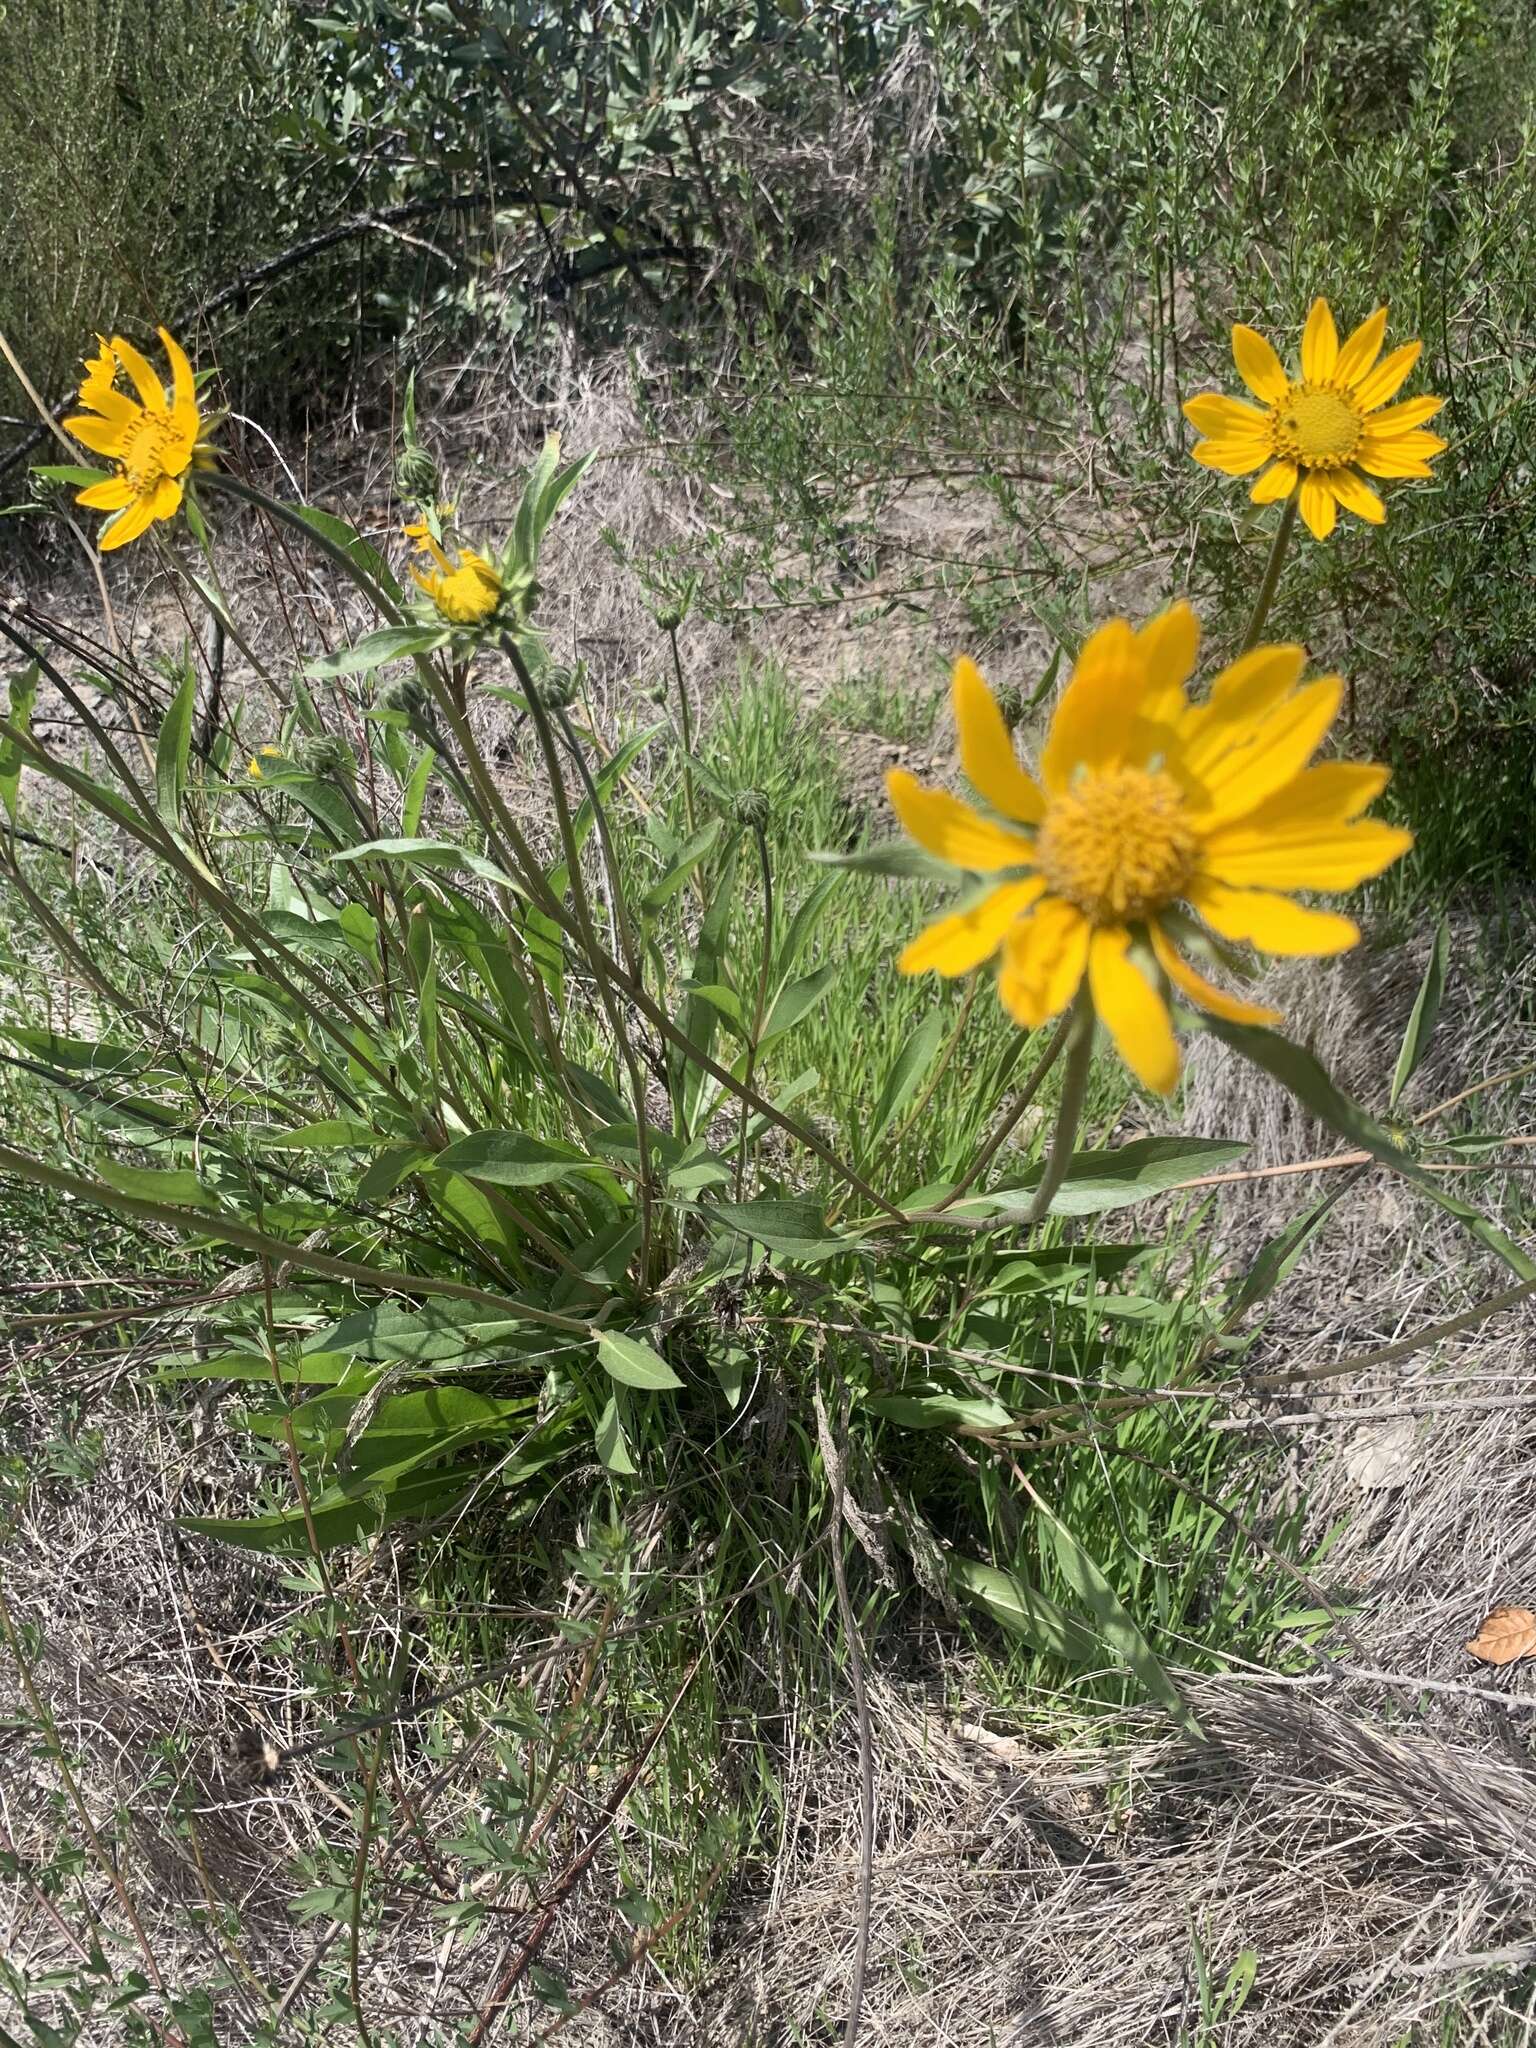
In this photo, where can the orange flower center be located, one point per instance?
(152, 451)
(1119, 844)
(1317, 425)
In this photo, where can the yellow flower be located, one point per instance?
(1146, 802)
(253, 766)
(152, 442)
(467, 591)
(1319, 431)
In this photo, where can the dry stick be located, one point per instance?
(575, 1869)
(640, 1948)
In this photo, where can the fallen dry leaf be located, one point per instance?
(1508, 1634)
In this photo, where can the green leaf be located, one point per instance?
(794, 1229)
(389, 643)
(1024, 1611)
(434, 1334)
(906, 862)
(427, 853)
(69, 473)
(173, 751)
(796, 1001)
(329, 1135)
(1308, 1081)
(338, 1520)
(911, 1064)
(725, 1001)
(1097, 1182)
(1279, 1254)
(351, 542)
(612, 1443)
(681, 867)
(416, 793)
(1118, 1632)
(634, 1364)
(177, 1185)
(513, 1159)
(19, 715)
(937, 1407)
(1426, 1013)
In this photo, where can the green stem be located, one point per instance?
(1069, 1113)
(1266, 596)
(749, 1071)
(685, 719)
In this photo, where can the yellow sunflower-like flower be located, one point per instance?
(253, 767)
(1147, 802)
(1317, 432)
(466, 591)
(152, 441)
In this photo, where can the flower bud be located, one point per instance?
(752, 808)
(416, 474)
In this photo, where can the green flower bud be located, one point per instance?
(752, 808)
(325, 756)
(416, 474)
(669, 618)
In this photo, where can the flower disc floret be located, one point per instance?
(1151, 815)
(1118, 845)
(1318, 436)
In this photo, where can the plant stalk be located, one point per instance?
(1266, 596)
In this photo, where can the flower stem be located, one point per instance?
(685, 719)
(1266, 596)
(1074, 1089)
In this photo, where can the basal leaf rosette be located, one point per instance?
(1154, 823)
(151, 439)
(1319, 435)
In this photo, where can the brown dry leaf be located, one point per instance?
(1508, 1634)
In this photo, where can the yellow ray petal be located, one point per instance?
(1232, 458)
(952, 831)
(1356, 496)
(1319, 508)
(1225, 419)
(139, 516)
(1272, 923)
(183, 384)
(1319, 344)
(1331, 793)
(1403, 455)
(1169, 645)
(110, 495)
(151, 391)
(1132, 1011)
(1389, 373)
(1258, 365)
(1276, 748)
(1094, 717)
(954, 945)
(1243, 692)
(1362, 348)
(103, 437)
(1278, 481)
(1044, 956)
(1205, 994)
(1309, 857)
(986, 749)
(1397, 419)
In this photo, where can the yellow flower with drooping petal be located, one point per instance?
(253, 767)
(466, 591)
(1147, 808)
(152, 441)
(1319, 431)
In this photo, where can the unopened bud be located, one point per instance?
(1010, 703)
(752, 808)
(416, 474)
(669, 618)
(323, 755)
